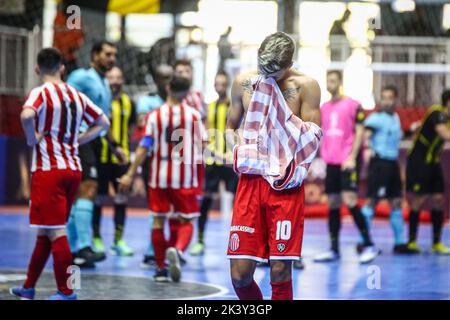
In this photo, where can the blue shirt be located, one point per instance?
(149, 103)
(386, 135)
(95, 86)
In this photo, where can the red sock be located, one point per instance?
(160, 246)
(62, 259)
(282, 290)
(38, 260)
(184, 237)
(174, 224)
(250, 292)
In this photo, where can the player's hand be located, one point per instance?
(121, 155)
(349, 164)
(368, 154)
(38, 136)
(125, 182)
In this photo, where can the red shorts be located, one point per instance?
(180, 202)
(52, 196)
(266, 224)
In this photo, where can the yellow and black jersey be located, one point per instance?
(123, 114)
(428, 143)
(216, 123)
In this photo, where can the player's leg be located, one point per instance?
(160, 207)
(160, 245)
(119, 247)
(281, 279)
(375, 185)
(149, 256)
(212, 181)
(437, 209)
(333, 190)
(104, 178)
(84, 206)
(242, 271)
(397, 225)
(37, 263)
(416, 202)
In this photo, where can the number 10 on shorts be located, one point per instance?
(283, 230)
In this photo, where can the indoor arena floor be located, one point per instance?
(424, 276)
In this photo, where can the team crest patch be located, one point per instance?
(281, 247)
(234, 242)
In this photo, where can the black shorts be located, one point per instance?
(383, 180)
(423, 178)
(109, 173)
(214, 174)
(338, 180)
(89, 154)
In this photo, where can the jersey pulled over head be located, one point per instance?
(275, 55)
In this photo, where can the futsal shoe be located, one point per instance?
(402, 249)
(368, 254)
(359, 248)
(90, 255)
(22, 293)
(173, 255)
(61, 296)
(98, 245)
(198, 249)
(148, 262)
(161, 275)
(82, 262)
(414, 247)
(328, 256)
(121, 249)
(440, 248)
(298, 264)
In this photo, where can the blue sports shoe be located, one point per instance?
(61, 296)
(22, 293)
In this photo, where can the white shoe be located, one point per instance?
(369, 254)
(173, 256)
(327, 256)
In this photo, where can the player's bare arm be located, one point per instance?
(101, 124)
(140, 156)
(27, 118)
(310, 100)
(443, 131)
(350, 163)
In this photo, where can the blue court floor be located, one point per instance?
(424, 276)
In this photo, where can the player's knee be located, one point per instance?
(280, 271)
(396, 203)
(438, 202)
(241, 273)
(350, 200)
(54, 234)
(88, 190)
(334, 201)
(416, 203)
(158, 222)
(371, 203)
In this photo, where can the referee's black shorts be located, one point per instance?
(383, 181)
(89, 154)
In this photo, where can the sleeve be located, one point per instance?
(91, 112)
(35, 100)
(360, 116)
(371, 122)
(437, 117)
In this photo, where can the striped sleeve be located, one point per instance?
(35, 100)
(91, 112)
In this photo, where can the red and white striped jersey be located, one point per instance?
(60, 110)
(178, 133)
(194, 99)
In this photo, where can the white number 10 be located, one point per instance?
(283, 230)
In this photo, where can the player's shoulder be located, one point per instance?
(245, 76)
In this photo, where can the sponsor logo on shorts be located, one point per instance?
(281, 247)
(243, 229)
(93, 172)
(381, 192)
(234, 242)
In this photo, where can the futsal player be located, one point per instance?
(93, 83)
(383, 133)
(174, 134)
(145, 105)
(109, 168)
(218, 162)
(51, 119)
(343, 128)
(267, 223)
(424, 174)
